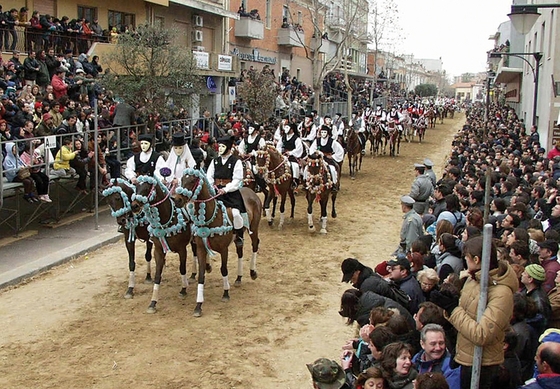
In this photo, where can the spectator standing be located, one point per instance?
(549, 261)
(43, 77)
(31, 68)
(532, 279)
(327, 374)
(421, 190)
(400, 274)
(411, 228)
(11, 19)
(430, 171)
(548, 366)
(60, 88)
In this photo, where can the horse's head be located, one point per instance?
(262, 160)
(145, 192)
(118, 196)
(190, 183)
(315, 169)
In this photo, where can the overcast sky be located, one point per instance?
(456, 31)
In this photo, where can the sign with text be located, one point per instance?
(202, 59)
(224, 62)
(50, 142)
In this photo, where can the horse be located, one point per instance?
(419, 128)
(376, 138)
(406, 123)
(431, 116)
(393, 139)
(440, 113)
(354, 152)
(118, 196)
(169, 229)
(319, 185)
(277, 173)
(213, 229)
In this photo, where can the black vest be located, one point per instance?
(326, 149)
(249, 147)
(224, 171)
(289, 145)
(146, 168)
(198, 156)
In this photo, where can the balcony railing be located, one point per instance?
(291, 36)
(247, 27)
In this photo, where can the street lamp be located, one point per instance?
(524, 16)
(535, 69)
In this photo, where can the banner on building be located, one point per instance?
(512, 92)
(211, 84)
(224, 62)
(202, 59)
(232, 95)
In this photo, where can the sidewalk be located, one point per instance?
(53, 246)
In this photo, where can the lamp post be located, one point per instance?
(534, 69)
(524, 16)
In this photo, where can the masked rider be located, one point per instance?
(338, 128)
(307, 130)
(225, 173)
(358, 124)
(396, 117)
(332, 151)
(249, 146)
(179, 159)
(144, 162)
(291, 147)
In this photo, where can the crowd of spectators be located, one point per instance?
(428, 341)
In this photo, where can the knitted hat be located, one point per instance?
(536, 271)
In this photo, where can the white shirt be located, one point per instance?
(237, 178)
(297, 152)
(176, 164)
(250, 140)
(338, 151)
(130, 171)
(312, 132)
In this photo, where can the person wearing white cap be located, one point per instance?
(429, 171)
(421, 189)
(179, 159)
(411, 228)
(144, 162)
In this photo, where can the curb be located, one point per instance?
(57, 258)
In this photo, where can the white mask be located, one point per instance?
(324, 134)
(308, 121)
(251, 130)
(145, 145)
(222, 149)
(287, 129)
(178, 150)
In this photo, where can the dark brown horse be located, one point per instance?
(277, 174)
(376, 138)
(319, 185)
(419, 128)
(354, 152)
(431, 115)
(119, 195)
(393, 139)
(169, 229)
(213, 230)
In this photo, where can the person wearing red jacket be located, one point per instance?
(60, 88)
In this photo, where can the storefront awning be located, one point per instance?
(506, 75)
(165, 3)
(208, 8)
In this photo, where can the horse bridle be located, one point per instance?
(270, 175)
(311, 178)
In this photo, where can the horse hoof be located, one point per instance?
(254, 274)
(270, 223)
(323, 231)
(128, 296)
(183, 293)
(197, 313)
(208, 268)
(151, 310)
(225, 299)
(192, 277)
(352, 178)
(148, 281)
(334, 215)
(311, 228)
(280, 226)
(237, 281)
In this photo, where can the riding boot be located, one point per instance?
(239, 237)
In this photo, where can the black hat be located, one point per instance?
(179, 139)
(349, 266)
(549, 244)
(226, 140)
(146, 138)
(401, 261)
(326, 128)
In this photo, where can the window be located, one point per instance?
(285, 13)
(159, 21)
(87, 13)
(299, 18)
(550, 34)
(268, 14)
(121, 20)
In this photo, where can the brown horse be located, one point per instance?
(431, 116)
(277, 174)
(169, 229)
(353, 150)
(319, 185)
(213, 230)
(118, 196)
(393, 138)
(376, 138)
(419, 127)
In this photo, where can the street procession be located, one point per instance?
(356, 195)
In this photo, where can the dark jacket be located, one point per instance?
(370, 300)
(545, 382)
(411, 287)
(442, 365)
(30, 65)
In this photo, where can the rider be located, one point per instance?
(358, 124)
(291, 147)
(380, 116)
(144, 162)
(396, 117)
(332, 152)
(337, 126)
(178, 160)
(226, 174)
(307, 130)
(249, 145)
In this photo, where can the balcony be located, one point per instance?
(290, 37)
(249, 28)
(321, 45)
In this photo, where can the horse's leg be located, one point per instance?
(360, 162)
(183, 271)
(254, 235)
(292, 202)
(239, 251)
(323, 202)
(282, 209)
(224, 270)
(398, 144)
(160, 263)
(201, 254)
(333, 200)
(310, 226)
(148, 256)
(349, 165)
(194, 262)
(131, 267)
(267, 200)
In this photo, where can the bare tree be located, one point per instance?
(258, 92)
